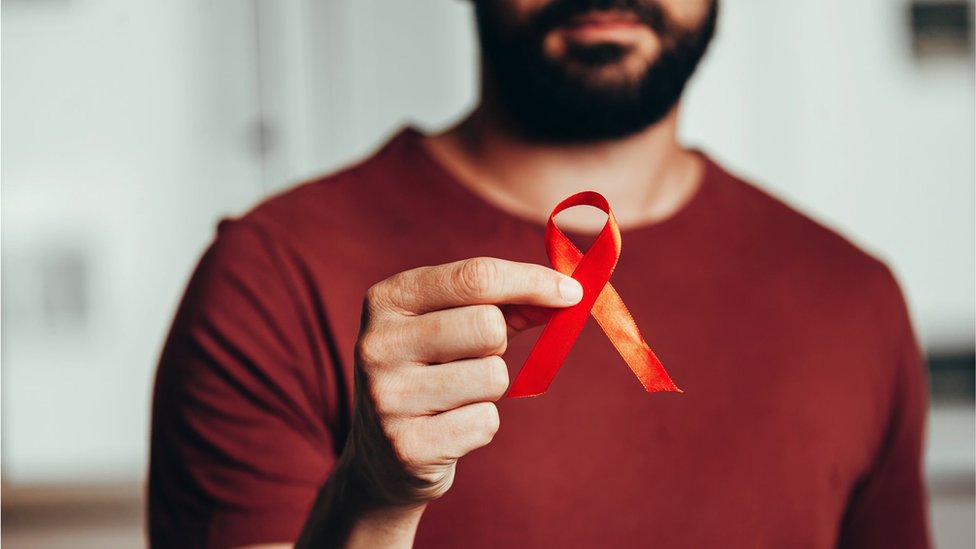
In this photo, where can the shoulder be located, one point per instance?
(794, 235)
(333, 236)
(805, 252)
(355, 194)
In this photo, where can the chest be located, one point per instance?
(779, 418)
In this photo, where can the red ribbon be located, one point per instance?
(593, 272)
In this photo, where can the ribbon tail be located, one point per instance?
(615, 319)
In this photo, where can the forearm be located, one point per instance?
(345, 515)
(393, 530)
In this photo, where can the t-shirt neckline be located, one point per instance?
(448, 182)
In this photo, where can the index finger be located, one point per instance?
(481, 280)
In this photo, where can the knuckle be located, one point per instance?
(381, 395)
(373, 298)
(497, 376)
(386, 296)
(493, 331)
(476, 276)
(490, 421)
(370, 350)
(405, 443)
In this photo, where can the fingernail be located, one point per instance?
(570, 290)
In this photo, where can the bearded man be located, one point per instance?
(343, 349)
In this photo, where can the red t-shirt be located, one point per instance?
(800, 426)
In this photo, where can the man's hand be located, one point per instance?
(428, 371)
(429, 367)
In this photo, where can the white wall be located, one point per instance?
(129, 128)
(124, 138)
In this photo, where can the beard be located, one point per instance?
(567, 100)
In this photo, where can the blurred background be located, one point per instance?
(129, 127)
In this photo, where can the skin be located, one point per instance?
(428, 358)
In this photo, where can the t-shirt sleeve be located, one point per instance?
(239, 444)
(889, 506)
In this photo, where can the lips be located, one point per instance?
(603, 20)
(603, 27)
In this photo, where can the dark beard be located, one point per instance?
(547, 101)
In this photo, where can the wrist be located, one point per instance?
(371, 472)
(348, 513)
(389, 524)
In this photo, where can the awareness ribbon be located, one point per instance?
(593, 271)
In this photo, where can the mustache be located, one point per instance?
(560, 12)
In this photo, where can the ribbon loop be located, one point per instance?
(600, 299)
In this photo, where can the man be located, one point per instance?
(334, 375)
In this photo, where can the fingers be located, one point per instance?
(481, 280)
(473, 331)
(448, 316)
(448, 436)
(427, 390)
(442, 336)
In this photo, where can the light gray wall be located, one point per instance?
(124, 137)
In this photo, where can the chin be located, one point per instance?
(629, 70)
